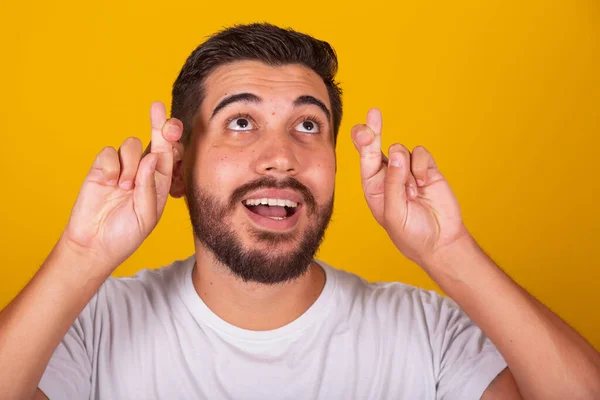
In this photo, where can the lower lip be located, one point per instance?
(282, 225)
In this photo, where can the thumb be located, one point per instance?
(396, 178)
(144, 194)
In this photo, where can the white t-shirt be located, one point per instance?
(151, 336)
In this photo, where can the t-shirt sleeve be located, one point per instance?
(467, 361)
(68, 374)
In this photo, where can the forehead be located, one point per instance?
(272, 83)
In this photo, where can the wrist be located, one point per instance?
(79, 261)
(448, 259)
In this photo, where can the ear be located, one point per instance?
(177, 182)
(177, 189)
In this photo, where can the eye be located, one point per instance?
(240, 124)
(308, 126)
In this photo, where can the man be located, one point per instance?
(251, 147)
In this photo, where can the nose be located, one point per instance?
(277, 156)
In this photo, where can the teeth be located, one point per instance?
(271, 202)
(276, 218)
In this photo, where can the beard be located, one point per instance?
(212, 224)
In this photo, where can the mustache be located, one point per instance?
(268, 182)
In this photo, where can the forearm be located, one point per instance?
(33, 324)
(546, 356)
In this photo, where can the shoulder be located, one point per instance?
(389, 297)
(147, 286)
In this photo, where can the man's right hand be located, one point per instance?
(124, 194)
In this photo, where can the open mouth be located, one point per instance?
(275, 209)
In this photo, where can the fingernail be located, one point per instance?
(362, 137)
(173, 129)
(395, 160)
(420, 182)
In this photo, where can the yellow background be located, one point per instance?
(505, 94)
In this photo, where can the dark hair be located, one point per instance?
(261, 42)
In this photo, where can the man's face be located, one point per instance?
(260, 169)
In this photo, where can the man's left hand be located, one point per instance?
(407, 194)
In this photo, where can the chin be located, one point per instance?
(263, 238)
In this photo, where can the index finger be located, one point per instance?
(172, 131)
(375, 120)
(160, 143)
(367, 139)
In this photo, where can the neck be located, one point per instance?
(251, 305)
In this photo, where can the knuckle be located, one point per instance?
(108, 161)
(110, 168)
(108, 156)
(423, 155)
(418, 168)
(421, 158)
(108, 150)
(131, 143)
(371, 154)
(400, 148)
(357, 128)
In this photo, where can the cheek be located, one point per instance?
(221, 172)
(321, 176)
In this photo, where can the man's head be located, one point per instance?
(266, 43)
(261, 111)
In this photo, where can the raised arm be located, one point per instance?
(119, 204)
(411, 199)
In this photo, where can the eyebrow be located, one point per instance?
(235, 98)
(252, 98)
(306, 99)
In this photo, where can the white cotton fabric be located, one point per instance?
(150, 336)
